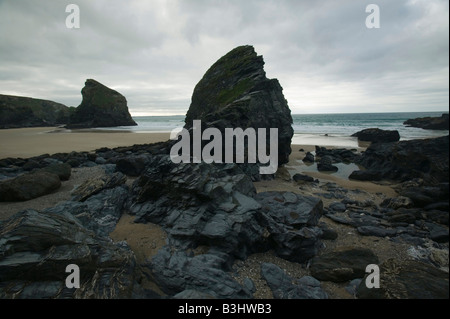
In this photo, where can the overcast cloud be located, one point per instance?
(155, 51)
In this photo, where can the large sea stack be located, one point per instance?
(101, 107)
(235, 93)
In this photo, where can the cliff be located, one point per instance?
(18, 111)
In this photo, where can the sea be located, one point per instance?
(316, 129)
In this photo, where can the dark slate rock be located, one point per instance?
(100, 160)
(291, 209)
(301, 178)
(397, 202)
(442, 206)
(376, 135)
(99, 213)
(327, 232)
(299, 246)
(94, 186)
(407, 160)
(200, 204)
(407, 280)
(250, 285)
(353, 286)
(285, 287)
(437, 216)
(73, 162)
(338, 207)
(28, 186)
(175, 272)
(438, 233)
(337, 155)
(217, 205)
(309, 158)
(326, 165)
(36, 247)
(376, 231)
(132, 165)
(343, 264)
(192, 294)
(429, 123)
(366, 175)
(31, 165)
(62, 170)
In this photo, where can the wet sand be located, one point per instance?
(29, 142)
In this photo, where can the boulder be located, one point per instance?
(101, 107)
(28, 186)
(376, 135)
(338, 155)
(301, 178)
(62, 170)
(409, 279)
(326, 165)
(37, 247)
(235, 93)
(309, 158)
(343, 264)
(291, 209)
(429, 123)
(132, 165)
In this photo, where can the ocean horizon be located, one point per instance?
(314, 129)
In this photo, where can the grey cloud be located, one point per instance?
(156, 51)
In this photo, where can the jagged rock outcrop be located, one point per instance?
(235, 92)
(19, 111)
(406, 160)
(36, 248)
(101, 107)
(429, 123)
(216, 206)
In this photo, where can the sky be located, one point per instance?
(154, 52)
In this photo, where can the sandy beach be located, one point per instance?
(29, 142)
